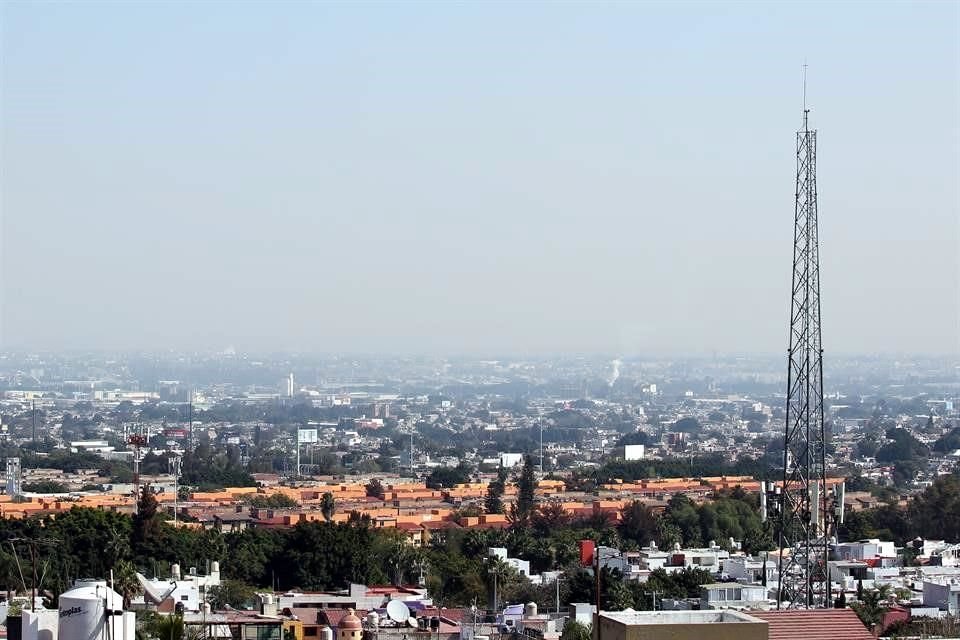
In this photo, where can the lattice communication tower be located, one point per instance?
(803, 502)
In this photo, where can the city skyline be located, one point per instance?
(425, 179)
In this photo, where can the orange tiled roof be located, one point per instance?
(813, 624)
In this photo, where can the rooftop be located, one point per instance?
(814, 624)
(678, 617)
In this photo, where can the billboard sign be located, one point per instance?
(306, 436)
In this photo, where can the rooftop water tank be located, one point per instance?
(326, 633)
(530, 610)
(84, 610)
(175, 571)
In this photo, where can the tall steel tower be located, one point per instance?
(803, 513)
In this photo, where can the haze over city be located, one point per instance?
(479, 320)
(472, 178)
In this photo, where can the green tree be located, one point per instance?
(375, 488)
(275, 501)
(526, 492)
(872, 605)
(45, 486)
(638, 523)
(549, 517)
(493, 503)
(167, 627)
(328, 506)
(147, 526)
(447, 477)
(949, 442)
(574, 630)
(232, 593)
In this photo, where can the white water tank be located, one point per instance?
(373, 619)
(85, 608)
(175, 571)
(530, 610)
(326, 633)
(214, 567)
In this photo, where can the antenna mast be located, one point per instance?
(803, 504)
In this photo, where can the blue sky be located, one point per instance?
(474, 177)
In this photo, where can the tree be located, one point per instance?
(872, 605)
(493, 503)
(638, 523)
(687, 425)
(526, 492)
(328, 506)
(574, 630)
(230, 593)
(549, 517)
(375, 488)
(147, 529)
(903, 447)
(949, 442)
(45, 486)
(275, 501)
(165, 627)
(446, 477)
(637, 437)
(125, 581)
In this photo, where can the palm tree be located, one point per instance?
(125, 581)
(872, 605)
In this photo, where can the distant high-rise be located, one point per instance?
(14, 477)
(290, 386)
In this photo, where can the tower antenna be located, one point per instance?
(803, 503)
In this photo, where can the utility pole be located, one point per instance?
(596, 573)
(540, 421)
(557, 584)
(136, 440)
(802, 537)
(177, 464)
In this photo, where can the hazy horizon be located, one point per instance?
(473, 178)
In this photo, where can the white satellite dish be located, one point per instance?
(398, 611)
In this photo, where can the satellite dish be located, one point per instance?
(398, 611)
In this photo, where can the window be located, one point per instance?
(310, 632)
(184, 598)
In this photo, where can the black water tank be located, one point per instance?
(14, 628)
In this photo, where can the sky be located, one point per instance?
(512, 177)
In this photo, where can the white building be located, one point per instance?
(731, 594)
(942, 594)
(865, 549)
(510, 460)
(750, 570)
(633, 452)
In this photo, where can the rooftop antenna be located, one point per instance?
(806, 111)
